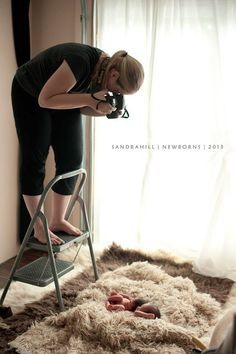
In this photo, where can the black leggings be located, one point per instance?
(38, 129)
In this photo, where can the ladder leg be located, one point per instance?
(52, 261)
(18, 258)
(76, 197)
(84, 210)
(92, 257)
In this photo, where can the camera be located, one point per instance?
(117, 100)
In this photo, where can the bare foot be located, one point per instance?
(40, 236)
(66, 227)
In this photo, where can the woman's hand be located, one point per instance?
(105, 108)
(99, 103)
(100, 95)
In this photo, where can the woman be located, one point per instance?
(49, 93)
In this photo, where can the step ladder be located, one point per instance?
(47, 269)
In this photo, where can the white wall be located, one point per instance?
(8, 140)
(53, 22)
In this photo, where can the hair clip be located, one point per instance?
(124, 55)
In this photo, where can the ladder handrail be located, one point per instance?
(76, 193)
(55, 180)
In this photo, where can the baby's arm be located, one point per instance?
(113, 292)
(126, 296)
(116, 307)
(115, 298)
(139, 313)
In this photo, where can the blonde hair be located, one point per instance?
(130, 70)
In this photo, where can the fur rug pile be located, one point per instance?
(87, 327)
(90, 328)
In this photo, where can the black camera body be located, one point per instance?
(117, 100)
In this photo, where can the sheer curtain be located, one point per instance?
(165, 178)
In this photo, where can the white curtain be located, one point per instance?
(165, 178)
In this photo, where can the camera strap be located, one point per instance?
(97, 99)
(125, 114)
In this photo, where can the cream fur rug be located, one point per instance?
(90, 328)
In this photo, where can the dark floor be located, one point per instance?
(5, 268)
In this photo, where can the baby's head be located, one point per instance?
(144, 306)
(148, 308)
(137, 303)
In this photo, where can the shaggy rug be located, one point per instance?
(189, 303)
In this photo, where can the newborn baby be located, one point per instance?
(121, 302)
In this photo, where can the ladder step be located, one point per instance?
(39, 271)
(69, 240)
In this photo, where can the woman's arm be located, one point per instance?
(54, 93)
